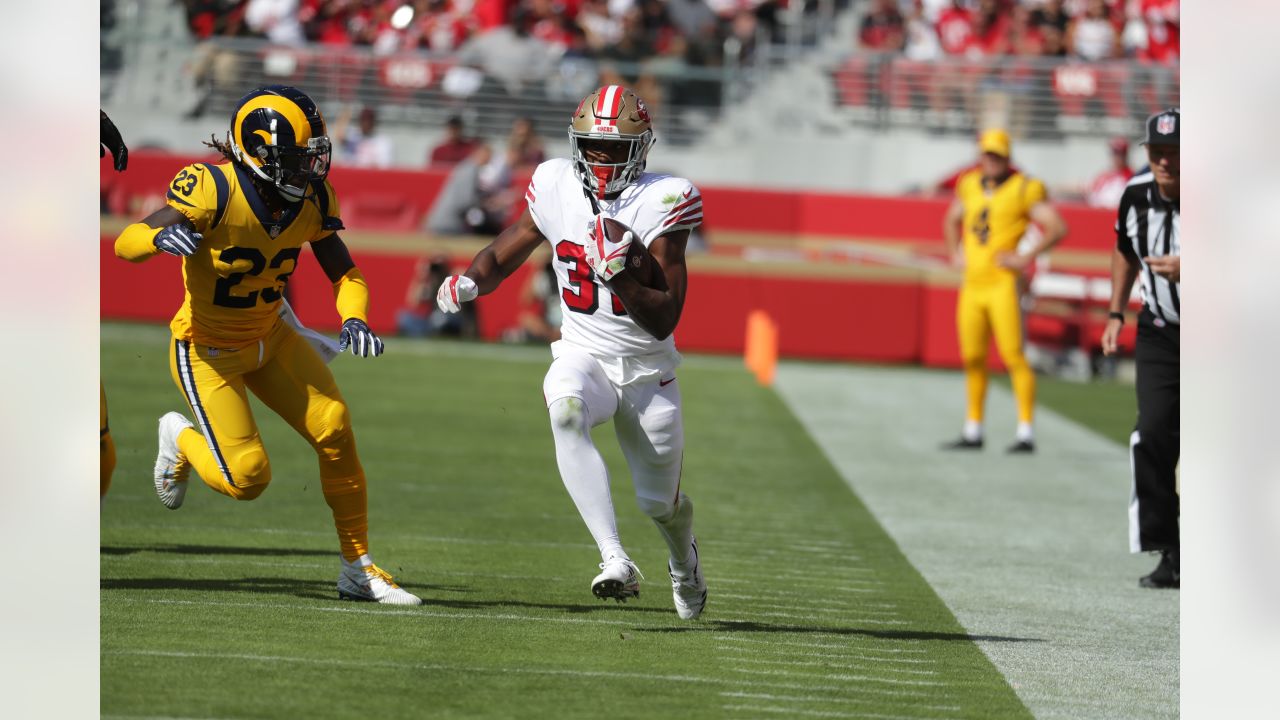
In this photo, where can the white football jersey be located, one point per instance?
(653, 205)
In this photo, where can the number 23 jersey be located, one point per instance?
(236, 277)
(652, 206)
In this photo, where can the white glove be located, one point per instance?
(606, 258)
(454, 291)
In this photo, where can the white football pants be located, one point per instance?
(647, 422)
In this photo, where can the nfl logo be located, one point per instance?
(1165, 124)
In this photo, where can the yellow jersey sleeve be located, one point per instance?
(200, 193)
(1034, 193)
(330, 214)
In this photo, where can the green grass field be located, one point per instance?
(228, 610)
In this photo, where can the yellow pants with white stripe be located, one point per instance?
(983, 310)
(289, 377)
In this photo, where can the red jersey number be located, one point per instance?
(582, 296)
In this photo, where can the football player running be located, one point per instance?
(616, 357)
(239, 227)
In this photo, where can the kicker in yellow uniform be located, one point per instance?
(993, 208)
(239, 227)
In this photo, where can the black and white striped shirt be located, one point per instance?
(1147, 226)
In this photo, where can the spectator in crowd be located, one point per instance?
(539, 315)
(883, 28)
(921, 39)
(418, 317)
(525, 146)
(213, 67)
(1106, 189)
(477, 196)
(455, 147)
(277, 20)
(361, 145)
(509, 55)
(1093, 36)
(1163, 26)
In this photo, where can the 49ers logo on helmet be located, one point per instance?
(642, 111)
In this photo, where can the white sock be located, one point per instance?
(1024, 432)
(677, 530)
(587, 479)
(972, 430)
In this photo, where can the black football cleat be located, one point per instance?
(1168, 574)
(963, 444)
(1022, 447)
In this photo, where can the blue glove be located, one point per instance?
(357, 334)
(178, 240)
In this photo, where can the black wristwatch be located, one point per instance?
(1116, 316)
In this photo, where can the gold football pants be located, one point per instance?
(225, 448)
(983, 310)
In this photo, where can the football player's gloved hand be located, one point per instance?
(357, 335)
(178, 239)
(605, 258)
(455, 290)
(109, 137)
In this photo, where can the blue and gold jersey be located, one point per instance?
(235, 279)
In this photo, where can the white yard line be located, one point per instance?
(810, 644)
(1029, 553)
(823, 663)
(843, 677)
(754, 652)
(823, 713)
(828, 699)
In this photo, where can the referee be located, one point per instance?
(1148, 247)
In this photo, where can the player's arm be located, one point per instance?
(165, 230)
(491, 265)
(657, 311)
(195, 199)
(951, 223)
(351, 296)
(1052, 229)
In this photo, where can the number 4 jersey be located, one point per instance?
(653, 205)
(236, 277)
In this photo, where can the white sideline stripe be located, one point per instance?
(824, 663)
(400, 612)
(754, 684)
(835, 646)
(799, 616)
(386, 611)
(825, 699)
(825, 609)
(318, 564)
(846, 586)
(833, 656)
(821, 713)
(826, 602)
(399, 537)
(417, 666)
(839, 676)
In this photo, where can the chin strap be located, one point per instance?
(595, 206)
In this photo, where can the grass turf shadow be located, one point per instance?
(184, 549)
(749, 626)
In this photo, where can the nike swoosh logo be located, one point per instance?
(664, 383)
(686, 192)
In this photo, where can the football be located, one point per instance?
(640, 262)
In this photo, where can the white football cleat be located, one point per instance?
(619, 579)
(171, 476)
(688, 589)
(370, 583)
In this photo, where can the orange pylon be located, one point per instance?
(761, 347)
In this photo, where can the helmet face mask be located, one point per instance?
(610, 135)
(277, 133)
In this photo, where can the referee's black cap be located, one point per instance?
(1164, 127)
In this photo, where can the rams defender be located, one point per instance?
(616, 357)
(993, 206)
(239, 227)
